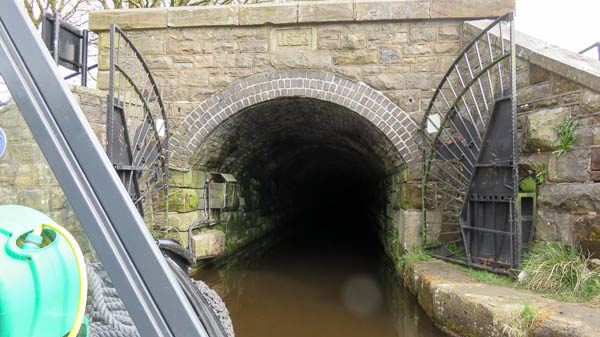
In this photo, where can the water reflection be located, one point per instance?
(306, 287)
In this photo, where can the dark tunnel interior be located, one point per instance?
(327, 179)
(305, 164)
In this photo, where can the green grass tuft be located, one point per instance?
(560, 271)
(488, 277)
(414, 254)
(525, 319)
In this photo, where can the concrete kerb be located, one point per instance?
(371, 104)
(470, 308)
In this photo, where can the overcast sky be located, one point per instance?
(572, 24)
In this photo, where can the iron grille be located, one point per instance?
(470, 158)
(137, 130)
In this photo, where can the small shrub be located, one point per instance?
(560, 271)
(566, 135)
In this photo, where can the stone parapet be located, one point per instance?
(575, 67)
(299, 12)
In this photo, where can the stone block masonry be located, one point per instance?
(400, 48)
(25, 176)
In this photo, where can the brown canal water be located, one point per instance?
(323, 286)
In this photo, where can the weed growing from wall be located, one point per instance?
(566, 136)
(414, 254)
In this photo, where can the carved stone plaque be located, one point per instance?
(294, 38)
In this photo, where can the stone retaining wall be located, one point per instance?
(25, 177)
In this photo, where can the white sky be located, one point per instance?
(571, 24)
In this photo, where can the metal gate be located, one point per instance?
(470, 157)
(137, 130)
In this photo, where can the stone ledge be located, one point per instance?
(203, 16)
(472, 308)
(575, 67)
(77, 89)
(129, 18)
(299, 12)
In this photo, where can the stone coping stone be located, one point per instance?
(298, 12)
(78, 89)
(571, 65)
(471, 308)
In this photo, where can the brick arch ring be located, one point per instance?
(358, 97)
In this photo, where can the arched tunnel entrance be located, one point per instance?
(316, 180)
(304, 161)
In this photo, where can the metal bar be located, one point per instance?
(487, 230)
(462, 82)
(454, 155)
(457, 130)
(55, 43)
(597, 44)
(487, 107)
(515, 171)
(144, 281)
(110, 106)
(489, 41)
(500, 64)
(84, 58)
(68, 77)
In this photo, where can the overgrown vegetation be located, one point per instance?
(553, 270)
(414, 254)
(566, 136)
(561, 272)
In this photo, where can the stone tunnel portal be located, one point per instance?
(306, 147)
(301, 162)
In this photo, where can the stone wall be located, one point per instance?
(25, 177)
(208, 57)
(233, 228)
(554, 84)
(401, 48)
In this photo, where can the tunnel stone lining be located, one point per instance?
(392, 121)
(289, 127)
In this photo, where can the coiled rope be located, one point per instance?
(108, 316)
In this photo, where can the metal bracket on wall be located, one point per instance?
(149, 289)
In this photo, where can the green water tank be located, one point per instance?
(39, 287)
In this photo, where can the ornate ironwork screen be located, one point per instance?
(470, 157)
(137, 130)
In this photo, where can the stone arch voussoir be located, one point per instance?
(358, 97)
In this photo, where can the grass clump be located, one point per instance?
(414, 254)
(560, 271)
